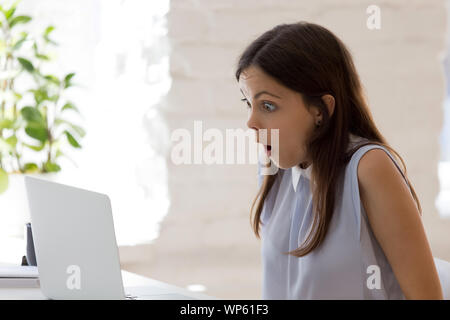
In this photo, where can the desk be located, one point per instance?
(129, 280)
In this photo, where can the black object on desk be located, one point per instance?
(30, 258)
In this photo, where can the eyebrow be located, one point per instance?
(262, 92)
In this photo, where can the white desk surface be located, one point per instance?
(129, 279)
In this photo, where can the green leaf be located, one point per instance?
(35, 148)
(47, 33)
(4, 181)
(6, 124)
(32, 114)
(68, 106)
(53, 79)
(19, 43)
(26, 64)
(48, 30)
(9, 13)
(36, 132)
(12, 141)
(42, 56)
(72, 140)
(54, 98)
(79, 130)
(30, 167)
(40, 95)
(58, 154)
(48, 40)
(19, 19)
(67, 80)
(51, 167)
(17, 96)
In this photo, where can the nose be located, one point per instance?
(252, 121)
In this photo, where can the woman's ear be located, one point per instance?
(329, 101)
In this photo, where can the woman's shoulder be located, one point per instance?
(358, 146)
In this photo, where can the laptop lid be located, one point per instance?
(75, 243)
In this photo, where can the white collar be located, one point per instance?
(297, 172)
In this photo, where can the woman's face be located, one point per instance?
(273, 106)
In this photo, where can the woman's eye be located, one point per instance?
(268, 107)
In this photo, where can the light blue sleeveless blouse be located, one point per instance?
(341, 266)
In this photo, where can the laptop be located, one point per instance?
(75, 245)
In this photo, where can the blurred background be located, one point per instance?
(143, 69)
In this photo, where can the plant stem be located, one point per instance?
(50, 139)
(50, 125)
(49, 155)
(19, 166)
(5, 66)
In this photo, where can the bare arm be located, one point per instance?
(397, 225)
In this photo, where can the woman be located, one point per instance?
(339, 219)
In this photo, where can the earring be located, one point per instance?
(318, 123)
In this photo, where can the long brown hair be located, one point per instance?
(308, 58)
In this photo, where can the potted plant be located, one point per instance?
(34, 126)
